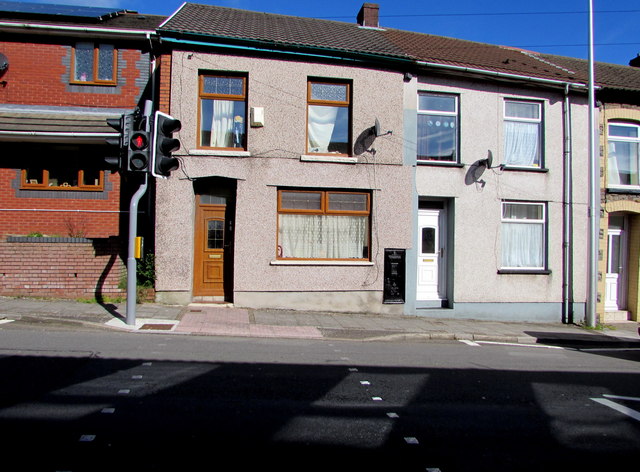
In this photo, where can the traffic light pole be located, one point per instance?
(131, 260)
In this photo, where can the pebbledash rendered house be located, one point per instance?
(350, 167)
(64, 70)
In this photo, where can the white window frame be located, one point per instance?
(622, 139)
(455, 114)
(524, 221)
(538, 164)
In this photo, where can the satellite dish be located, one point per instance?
(4, 63)
(478, 168)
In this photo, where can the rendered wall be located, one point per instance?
(273, 160)
(479, 290)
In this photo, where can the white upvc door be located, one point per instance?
(431, 255)
(616, 278)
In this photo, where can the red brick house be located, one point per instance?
(63, 71)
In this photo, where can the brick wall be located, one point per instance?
(164, 93)
(45, 81)
(59, 213)
(62, 267)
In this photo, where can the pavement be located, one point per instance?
(226, 320)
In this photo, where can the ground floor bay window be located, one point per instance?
(323, 225)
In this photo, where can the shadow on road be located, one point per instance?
(91, 414)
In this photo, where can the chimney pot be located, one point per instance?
(368, 15)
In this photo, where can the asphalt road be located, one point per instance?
(93, 401)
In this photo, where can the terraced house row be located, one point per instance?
(324, 165)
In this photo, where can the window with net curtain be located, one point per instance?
(522, 133)
(223, 105)
(437, 127)
(318, 224)
(328, 117)
(623, 155)
(523, 235)
(94, 63)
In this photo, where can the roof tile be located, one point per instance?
(286, 32)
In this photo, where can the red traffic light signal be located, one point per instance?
(139, 141)
(139, 151)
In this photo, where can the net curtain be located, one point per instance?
(322, 121)
(322, 236)
(521, 144)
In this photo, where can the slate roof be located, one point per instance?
(281, 32)
(278, 30)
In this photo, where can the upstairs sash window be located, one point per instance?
(623, 155)
(328, 117)
(223, 110)
(94, 63)
(522, 134)
(437, 127)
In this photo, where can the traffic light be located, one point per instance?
(124, 125)
(139, 149)
(163, 163)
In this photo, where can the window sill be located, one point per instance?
(439, 163)
(627, 190)
(62, 189)
(326, 158)
(541, 170)
(321, 263)
(219, 153)
(524, 271)
(105, 84)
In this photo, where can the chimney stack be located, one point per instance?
(368, 15)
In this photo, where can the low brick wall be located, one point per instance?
(62, 267)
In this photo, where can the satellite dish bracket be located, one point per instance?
(378, 130)
(488, 161)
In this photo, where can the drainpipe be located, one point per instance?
(567, 243)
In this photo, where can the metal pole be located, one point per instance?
(131, 260)
(594, 190)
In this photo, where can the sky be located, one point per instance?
(549, 26)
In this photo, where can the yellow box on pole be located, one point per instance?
(138, 248)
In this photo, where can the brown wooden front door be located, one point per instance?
(209, 255)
